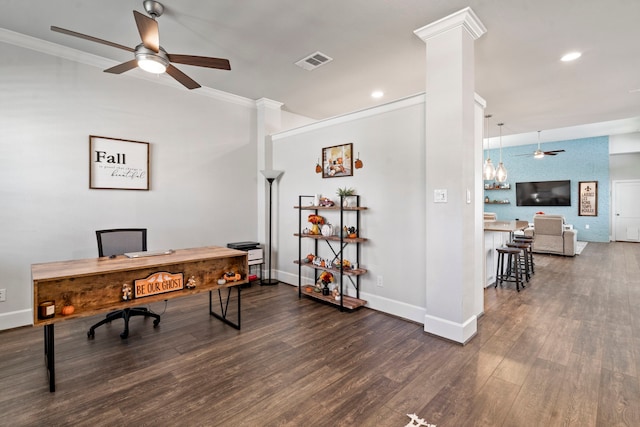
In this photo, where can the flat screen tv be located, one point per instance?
(543, 193)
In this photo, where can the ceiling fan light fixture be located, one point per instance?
(152, 65)
(151, 61)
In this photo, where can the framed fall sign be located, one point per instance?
(118, 164)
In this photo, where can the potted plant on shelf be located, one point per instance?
(344, 194)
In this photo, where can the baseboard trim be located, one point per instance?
(458, 332)
(375, 302)
(16, 319)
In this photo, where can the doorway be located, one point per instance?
(626, 211)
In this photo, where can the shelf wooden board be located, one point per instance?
(332, 238)
(348, 302)
(346, 272)
(331, 208)
(497, 203)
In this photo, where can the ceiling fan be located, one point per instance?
(538, 154)
(149, 55)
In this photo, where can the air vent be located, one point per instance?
(313, 61)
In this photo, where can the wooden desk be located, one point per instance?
(95, 285)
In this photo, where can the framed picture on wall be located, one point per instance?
(588, 198)
(337, 161)
(118, 164)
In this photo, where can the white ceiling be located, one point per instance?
(518, 67)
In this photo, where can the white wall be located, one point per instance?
(624, 143)
(624, 156)
(202, 166)
(390, 142)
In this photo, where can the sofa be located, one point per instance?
(551, 236)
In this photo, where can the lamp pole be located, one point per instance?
(270, 175)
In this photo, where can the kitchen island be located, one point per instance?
(496, 235)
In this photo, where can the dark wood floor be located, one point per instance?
(564, 351)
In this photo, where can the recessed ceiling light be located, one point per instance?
(571, 56)
(377, 94)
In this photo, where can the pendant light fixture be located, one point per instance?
(501, 172)
(488, 170)
(538, 153)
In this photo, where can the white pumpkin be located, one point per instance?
(327, 230)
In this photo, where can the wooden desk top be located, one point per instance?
(94, 285)
(93, 266)
(507, 226)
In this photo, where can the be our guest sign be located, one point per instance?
(118, 164)
(158, 283)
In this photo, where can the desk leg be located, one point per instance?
(224, 305)
(49, 356)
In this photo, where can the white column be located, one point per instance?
(477, 195)
(451, 174)
(268, 121)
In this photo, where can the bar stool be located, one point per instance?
(529, 240)
(512, 273)
(525, 268)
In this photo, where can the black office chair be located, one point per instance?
(117, 242)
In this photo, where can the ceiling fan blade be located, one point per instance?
(553, 152)
(121, 68)
(181, 77)
(90, 38)
(201, 61)
(148, 29)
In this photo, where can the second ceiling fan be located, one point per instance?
(149, 55)
(538, 154)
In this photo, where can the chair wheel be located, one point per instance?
(91, 334)
(156, 322)
(124, 335)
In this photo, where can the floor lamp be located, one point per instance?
(271, 176)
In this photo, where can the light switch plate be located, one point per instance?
(440, 196)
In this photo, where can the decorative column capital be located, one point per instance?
(465, 18)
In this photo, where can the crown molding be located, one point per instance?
(465, 18)
(368, 112)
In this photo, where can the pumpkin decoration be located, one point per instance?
(358, 162)
(67, 307)
(67, 310)
(231, 276)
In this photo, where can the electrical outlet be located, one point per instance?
(3, 295)
(380, 283)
